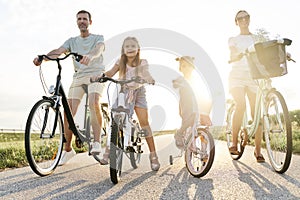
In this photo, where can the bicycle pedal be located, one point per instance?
(129, 149)
(78, 142)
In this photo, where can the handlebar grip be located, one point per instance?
(40, 58)
(78, 57)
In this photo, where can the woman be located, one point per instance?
(240, 82)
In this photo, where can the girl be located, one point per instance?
(128, 66)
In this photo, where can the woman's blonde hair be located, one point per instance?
(123, 59)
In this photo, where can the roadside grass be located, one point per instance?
(12, 148)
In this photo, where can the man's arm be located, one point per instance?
(53, 54)
(94, 53)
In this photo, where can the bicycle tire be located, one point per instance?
(199, 160)
(135, 153)
(116, 151)
(242, 134)
(134, 158)
(278, 132)
(43, 152)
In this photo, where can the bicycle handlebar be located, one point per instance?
(136, 79)
(77, 56)
(251, 49)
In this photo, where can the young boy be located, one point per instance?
(191, 103)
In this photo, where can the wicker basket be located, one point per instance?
(268, 60)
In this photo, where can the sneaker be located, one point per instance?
(105, 159)
(66, 156)
(96, 148)
(179, 140)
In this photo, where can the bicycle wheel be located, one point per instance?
(242, 135)
(278, 132)
(44, 138)
(116, 151)
(134, 157)
(135, 151)
(200, 153)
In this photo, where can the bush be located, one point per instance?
(12, 157)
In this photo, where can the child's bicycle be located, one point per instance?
(44, 132)
(198, 149)
(126, 133)
(268, 60)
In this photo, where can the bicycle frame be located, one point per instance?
(264, 86)
(60, 96)
(128, 123)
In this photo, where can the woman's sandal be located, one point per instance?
(259, 158)
(233, 150)
(154, 161)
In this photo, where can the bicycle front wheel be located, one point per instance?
(200, 153)
(278, 132)
(44, 138)
(242, 134)
(116, 151)
(134, 157)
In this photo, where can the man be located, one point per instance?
(91, 46)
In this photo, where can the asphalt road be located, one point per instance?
(84, 178)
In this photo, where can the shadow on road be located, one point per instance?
(180, 185)
(262, 186)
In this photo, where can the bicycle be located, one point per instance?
(126, 134)
(199, 150)
(44, 132)
(267, 60)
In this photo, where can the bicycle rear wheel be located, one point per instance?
(116, 151)
(242, 135)
(278, 132)
(200, 153)
(44, 138)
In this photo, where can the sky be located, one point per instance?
(29, 28)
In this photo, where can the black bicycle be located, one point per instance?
(44, 132)
(126, 134)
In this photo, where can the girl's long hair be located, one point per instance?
(124, 59)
